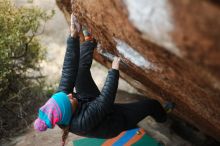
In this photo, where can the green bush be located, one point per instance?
(21, 82)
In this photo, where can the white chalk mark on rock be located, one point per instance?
(153, 19)
(132, 55)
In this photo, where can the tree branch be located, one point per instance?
(25, 45)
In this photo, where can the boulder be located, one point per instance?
(170, 50)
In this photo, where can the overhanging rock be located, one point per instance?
(170, 50)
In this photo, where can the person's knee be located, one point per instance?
(151, 103)
(162, 118)
(155, 102)
(157, 111)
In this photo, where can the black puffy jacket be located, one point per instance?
(70, 66)
(88, 114)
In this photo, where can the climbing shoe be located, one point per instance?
(87, 34)
(74, 23)
(169, 106)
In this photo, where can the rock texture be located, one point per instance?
(170, 50)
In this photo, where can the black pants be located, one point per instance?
(123, 116)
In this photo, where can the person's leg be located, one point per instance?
(85, 85)
(126, 116)
(135, 112)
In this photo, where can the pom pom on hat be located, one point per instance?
(40, 125)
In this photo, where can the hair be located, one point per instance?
(65, 133)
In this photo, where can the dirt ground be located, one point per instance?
(51, 137)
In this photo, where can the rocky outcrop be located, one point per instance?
(170, 50)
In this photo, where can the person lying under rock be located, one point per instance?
(88, 111)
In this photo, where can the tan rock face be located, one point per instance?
(170, 50)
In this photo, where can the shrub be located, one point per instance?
(21, 81)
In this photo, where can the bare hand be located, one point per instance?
(115, 63)
(75, 27)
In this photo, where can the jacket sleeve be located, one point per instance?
(70, 65)
(102, 105)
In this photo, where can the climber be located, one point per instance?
(88, 111)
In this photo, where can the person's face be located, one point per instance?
(72, 101)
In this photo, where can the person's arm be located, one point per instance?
(70, 65)
(71, 60)
(102, 105)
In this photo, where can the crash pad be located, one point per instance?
(133, 137)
